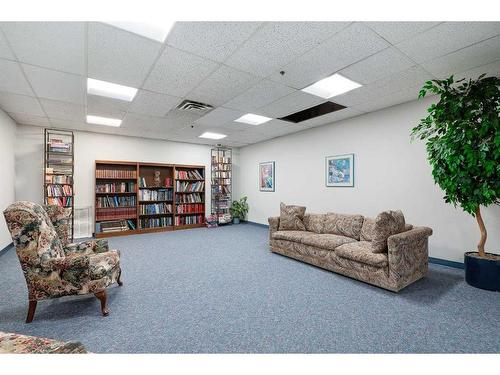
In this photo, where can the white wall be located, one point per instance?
(7, 171)
(390, 173)
(90, 147)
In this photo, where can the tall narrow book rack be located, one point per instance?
(221, 184)
(134, 197)
(58, 170)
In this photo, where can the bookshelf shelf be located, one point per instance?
(149, 184)
(221, 191)
(58, 170)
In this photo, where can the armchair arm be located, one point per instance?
(408, 254)
(87, 247)
(273, 225)
(59, 217)
(75, 261)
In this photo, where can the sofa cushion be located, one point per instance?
(343, 225)
(291, 217)
(367, 229)
(361, 251)
(292, 235)
(387, 223)
(314, 222)
(326, 241)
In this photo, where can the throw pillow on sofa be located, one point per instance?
(314, 222)
(386, 224)
(343, 225)
(291, 217)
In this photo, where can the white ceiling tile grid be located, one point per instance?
(106, 107)
(177, 72)
(212, 40)
(395, 32)
(151, 103)
(53, 45)
(24, 119)
(278, 43)
(289, 104)
(119, 56)
(12, 78)
(5, 52)
(20, 104)
(219, 116)
(63, 111)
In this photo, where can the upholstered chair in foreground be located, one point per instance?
(53, 267)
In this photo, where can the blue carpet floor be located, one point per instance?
(221, 290)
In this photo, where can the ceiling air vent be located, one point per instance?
(196, 107)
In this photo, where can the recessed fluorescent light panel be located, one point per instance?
(110, 90)
(252, 119)
(152, 30)
(98, 120)
(210, 135)
(331, 86)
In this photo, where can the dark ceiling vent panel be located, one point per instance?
(192, 106)
(309, 113)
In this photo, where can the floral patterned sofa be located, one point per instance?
(384, 251)
(13, 343)
(53, 267)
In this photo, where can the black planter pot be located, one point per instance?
(482, 273)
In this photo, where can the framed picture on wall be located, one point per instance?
(267, 180)
(339, 170)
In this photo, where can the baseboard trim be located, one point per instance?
(444, 262)
(257, 224)
(6, 249)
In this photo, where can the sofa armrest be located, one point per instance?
(274, 223)
(408, 253)
(87, 247)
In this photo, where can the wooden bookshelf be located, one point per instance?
(174, 200)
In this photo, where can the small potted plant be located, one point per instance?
(239, 209)
(462, 134)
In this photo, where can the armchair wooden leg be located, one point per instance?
(101, 296)
(31, 311)
(119, 280)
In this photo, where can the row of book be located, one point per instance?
(58, 179)
(114, 226)
(188, 198)
(57, 145)
(184, 186)
(221, 189)
(221, 167)
(165, 221)
(115, 213)
(111, 173)
(59, 169)
(193, 174)
(221, 159)
(59, 191)
(155, 209)
(156, 195)
(187, 208)
(167, 182)
(222, 174)
(222, 181)
(60, 201)
(116, 187)
(189, 219)
(115, 201)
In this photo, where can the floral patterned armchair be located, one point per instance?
(53, 267)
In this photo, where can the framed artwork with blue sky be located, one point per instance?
(339, 170)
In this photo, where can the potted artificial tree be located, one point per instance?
(462, 134)
(239, 209)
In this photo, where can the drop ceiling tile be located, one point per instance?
(177, 119)
(446, 38)
(219, 116)
(106, 107)
(54, 45)
(289, 104)
(142, 123)
(398, 97)
(261, 94)
(377, 66)
(491, 70)
(119, 56)
(222, 85)
(20, 104)
(467, 58)
(176, 72)
(345, 48)
(5, 52)
(330, 118)
(63, 111)
(212, 40)
(24, 119)
(395, 32)
(12, 78)
(151, 103)
(51, 84)
(277, 43)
